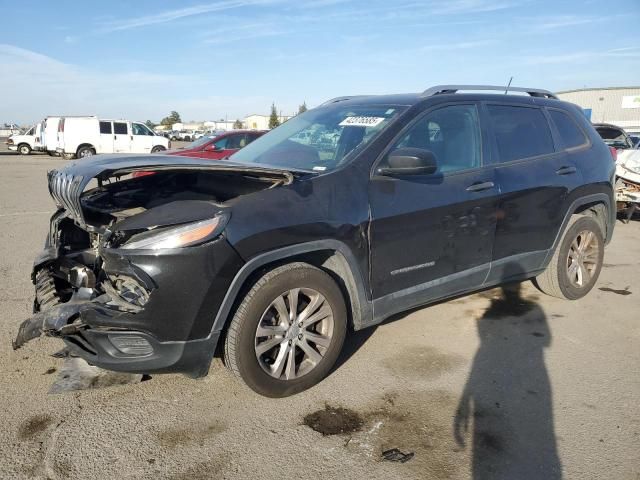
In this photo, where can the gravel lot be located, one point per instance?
(554, 387)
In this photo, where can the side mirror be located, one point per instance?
(409, 161)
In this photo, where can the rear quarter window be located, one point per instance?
(571, 135)
(521, 132)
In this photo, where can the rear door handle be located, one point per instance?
(480, 186)
(566, 170)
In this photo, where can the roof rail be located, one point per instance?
(443, 89)
(340, 99)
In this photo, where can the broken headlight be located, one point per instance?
(176, 237)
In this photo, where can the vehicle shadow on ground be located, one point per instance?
(505, 412)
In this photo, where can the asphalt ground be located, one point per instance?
(501, 384)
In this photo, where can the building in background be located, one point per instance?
(261, 122)
(616, 105)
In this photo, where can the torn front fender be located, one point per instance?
(53, 322)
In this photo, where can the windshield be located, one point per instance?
(201, 141)
(320, 139)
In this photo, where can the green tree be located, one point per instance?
(237, 125)
(150, 124)
(274, 121)
(174, 117)
(302, 108)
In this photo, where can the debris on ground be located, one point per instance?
(395, 455)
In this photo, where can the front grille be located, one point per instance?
(65, 190)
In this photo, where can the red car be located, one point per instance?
(220, 146)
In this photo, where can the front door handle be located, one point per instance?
(480, 186)
(566, 170)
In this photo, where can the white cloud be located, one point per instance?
(39, 85)
(176, 14)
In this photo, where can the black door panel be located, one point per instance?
(427, 230)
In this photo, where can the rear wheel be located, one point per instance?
(577, 261)
(24, 149)
(288, 331)
(157, 148)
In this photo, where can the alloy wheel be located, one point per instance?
(582, 260)
(294, 333)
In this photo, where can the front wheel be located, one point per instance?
(85, 152)
(24, 149)
(288, 331)
(577, 261)
(158, 148)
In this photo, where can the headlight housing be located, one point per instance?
(185, 235)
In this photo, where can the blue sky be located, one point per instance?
(230, 58)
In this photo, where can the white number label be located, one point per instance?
(361, 121)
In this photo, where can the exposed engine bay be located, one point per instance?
(119, 210)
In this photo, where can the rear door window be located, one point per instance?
(521, 132)
(570, 133)
(235, 142)
(105, 127)
(119, 128)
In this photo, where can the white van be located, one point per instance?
(27, 142)
(49, 135)
(85, 136)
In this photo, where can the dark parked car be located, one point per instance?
(349, 213)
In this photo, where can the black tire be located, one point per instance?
(52, 154)
(24, 149)
(85, 151)
(239, 348)
(556, 279)
(158, 148)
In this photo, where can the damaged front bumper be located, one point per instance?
(628, 179)
(147, 315)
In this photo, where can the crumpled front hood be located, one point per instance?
(628, 165)
(67, 185)
(104, 166)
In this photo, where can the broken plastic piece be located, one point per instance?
(395, 455)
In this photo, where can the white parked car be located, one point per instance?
(27, 142)
(85, 136)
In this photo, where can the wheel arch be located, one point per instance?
(83, 145)
(598, 205)
(26, 144)
(331, 256)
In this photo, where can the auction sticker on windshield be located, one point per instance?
(362, 121)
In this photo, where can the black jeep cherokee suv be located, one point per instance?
(358, 209)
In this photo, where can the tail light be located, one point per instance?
(614, 154)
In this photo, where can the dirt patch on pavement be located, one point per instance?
(334, 420)
(422, 362)
(175, 437)
(33, 426)
(210, 470)
(413, 422)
